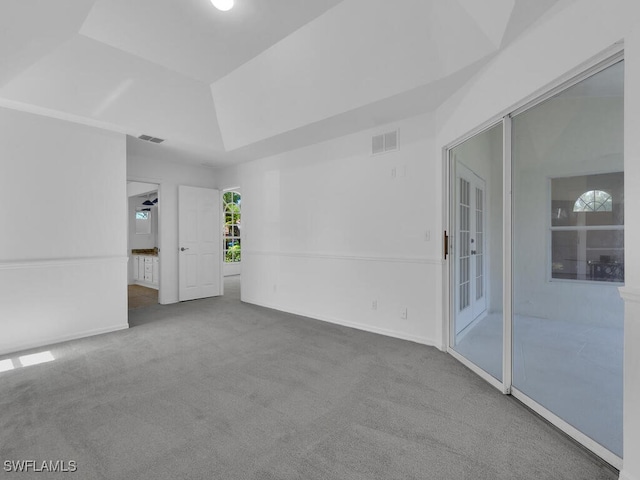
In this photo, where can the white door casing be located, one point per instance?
(199, 243)
(470, 247)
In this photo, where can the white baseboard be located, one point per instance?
(63, 338)
(345, 323)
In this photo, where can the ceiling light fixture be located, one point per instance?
(223, 5)
(148, 202)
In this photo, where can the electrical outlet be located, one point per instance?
(427, 236)
(394, 172)
(404, 313)
(374, 305)
(275, 288)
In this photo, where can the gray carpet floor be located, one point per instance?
(218, 389)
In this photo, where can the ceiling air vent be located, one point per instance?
(149, 138)
(385, 142)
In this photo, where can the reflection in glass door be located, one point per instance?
(560, 210)
(568, 255)
(476, 207)
(471, 301)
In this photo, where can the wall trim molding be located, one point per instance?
(61, 262)
(45, 342)
(629, 294)
(355, 325)
(346, 257)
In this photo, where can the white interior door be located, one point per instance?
(199, 243)
(470, 273)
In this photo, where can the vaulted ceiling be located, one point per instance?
(264, 77)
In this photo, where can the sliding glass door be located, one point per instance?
(537, 256)
(568, 255)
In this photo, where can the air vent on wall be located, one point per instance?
(149, 138)
(385, 142)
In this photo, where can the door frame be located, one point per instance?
(162, 292)
(600, 62)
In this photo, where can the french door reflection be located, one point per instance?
(476, 331)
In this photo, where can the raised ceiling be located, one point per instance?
(264, 77)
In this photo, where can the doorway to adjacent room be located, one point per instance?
(143, 243)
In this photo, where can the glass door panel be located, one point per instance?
(476, 206)
(568, 255)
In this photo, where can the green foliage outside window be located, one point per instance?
(232, 214)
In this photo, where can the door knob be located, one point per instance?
(183, 249)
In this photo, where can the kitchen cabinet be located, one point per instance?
(156, 271)
(146, 270)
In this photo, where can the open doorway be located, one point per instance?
(143, 244)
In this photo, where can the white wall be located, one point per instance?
(328, 229)
(140, 188)
(543, 55)
(155, 165)
(231, 269)
(228, 177)
(63, 262)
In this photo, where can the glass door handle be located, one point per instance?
(446, 244)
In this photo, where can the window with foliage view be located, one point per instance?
(587, 227)
(231, 202)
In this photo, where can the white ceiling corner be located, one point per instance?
(362, 52)
(30, 29)
(492, 16)
(88, 78)
(527, 12)
(459, 39)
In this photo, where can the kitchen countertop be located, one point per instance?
(152, 252)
